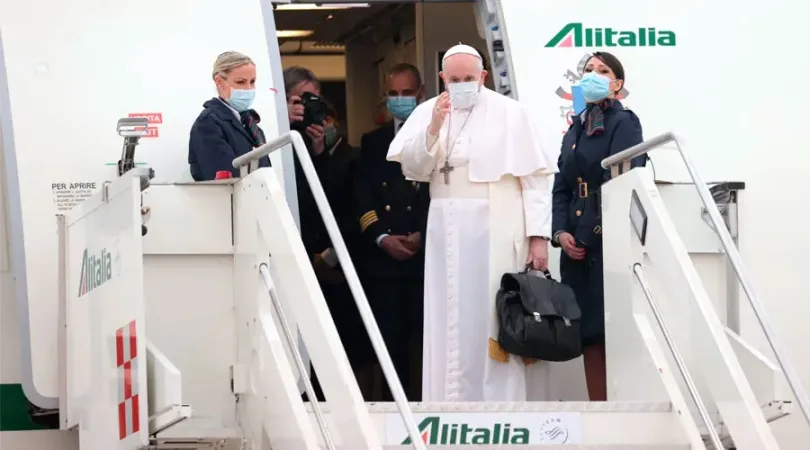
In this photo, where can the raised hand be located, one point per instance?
(440, 112)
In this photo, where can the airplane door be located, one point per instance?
(489, 19)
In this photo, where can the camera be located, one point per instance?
(315, 109)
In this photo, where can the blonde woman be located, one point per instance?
(227, 127)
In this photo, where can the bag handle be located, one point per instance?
(529, 268)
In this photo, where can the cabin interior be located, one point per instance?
(351, 46)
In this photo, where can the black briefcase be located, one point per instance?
(538, 317)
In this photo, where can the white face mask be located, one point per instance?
(463, 95)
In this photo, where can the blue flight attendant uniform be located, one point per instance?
(603, 129)
(218, 136)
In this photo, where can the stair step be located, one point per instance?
(196, 444)
(589, 425)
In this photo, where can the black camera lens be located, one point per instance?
(316, 110)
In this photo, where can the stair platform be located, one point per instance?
(197, 433)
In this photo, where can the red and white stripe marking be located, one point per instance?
(126, 354)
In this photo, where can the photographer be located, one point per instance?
(334, 162)
(300, 83)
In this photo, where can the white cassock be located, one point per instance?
(478, 227)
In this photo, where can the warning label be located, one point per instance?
(68, 195)
(152, 132)
(153, 118)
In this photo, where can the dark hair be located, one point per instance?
(612, 62)
(293, 76)
(406, 68)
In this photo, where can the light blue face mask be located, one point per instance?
(401, 107)
(242, 99)
(595, 87)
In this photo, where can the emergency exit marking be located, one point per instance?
(153, 118)
(126, 355)
(152, 132)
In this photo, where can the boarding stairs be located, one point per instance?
(707, 387)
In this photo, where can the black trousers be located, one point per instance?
(398, 305)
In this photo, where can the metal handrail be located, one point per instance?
(264, 150)
(732, 253)
(349, 271)
(299, 362)
(639, 149)
(676, 354)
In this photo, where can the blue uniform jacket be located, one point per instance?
(576, 193)
(387, 203)
(216, 138)
(576, 207)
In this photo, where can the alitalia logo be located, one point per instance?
(96, 270)
(577, 35)
(437, 433)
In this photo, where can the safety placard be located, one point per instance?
(153, 118)
(126, 355)
(68, 194)
(152, 132)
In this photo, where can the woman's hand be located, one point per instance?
(295, 110)
(569, 246)
(538, 253)
(316, 133)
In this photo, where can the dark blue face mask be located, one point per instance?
(401, 107)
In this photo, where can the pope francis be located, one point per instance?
(490, 213)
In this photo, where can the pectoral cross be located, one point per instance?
(445, 170)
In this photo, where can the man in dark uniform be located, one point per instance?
(393, 215)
